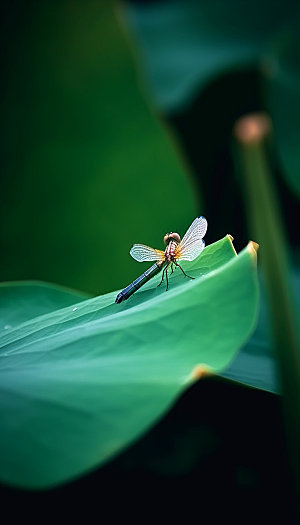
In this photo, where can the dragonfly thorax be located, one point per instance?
(171, 239)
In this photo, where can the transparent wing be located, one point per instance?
(192, 243)
(190, 253)
(141, 252)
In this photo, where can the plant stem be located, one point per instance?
(264, 218)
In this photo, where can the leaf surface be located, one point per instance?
(21, 301)
(77, 386)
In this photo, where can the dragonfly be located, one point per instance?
(177, 249)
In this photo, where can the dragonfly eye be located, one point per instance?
(172, 237)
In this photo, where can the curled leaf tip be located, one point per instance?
(231, 241)
(199, 372)
(252, 247)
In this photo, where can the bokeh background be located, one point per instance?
(87, 168)
(116, 126)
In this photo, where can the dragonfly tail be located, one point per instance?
(135, 285)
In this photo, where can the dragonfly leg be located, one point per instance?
(172, 270)
(167, 279)
(176, 264)
(163, 274)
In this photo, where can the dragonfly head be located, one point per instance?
(172, 236)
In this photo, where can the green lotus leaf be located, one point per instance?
(79, 384)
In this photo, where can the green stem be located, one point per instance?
(265, 221)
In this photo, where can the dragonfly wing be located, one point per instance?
(192, 243)
(141, 253)
(189, 253)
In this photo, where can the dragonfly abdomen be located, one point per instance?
(135, 285)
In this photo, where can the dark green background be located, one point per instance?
(86, 167)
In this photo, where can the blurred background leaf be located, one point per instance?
(184, 45)
(282, 94)
(207, 63)
(85, 164)
(255, 365)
